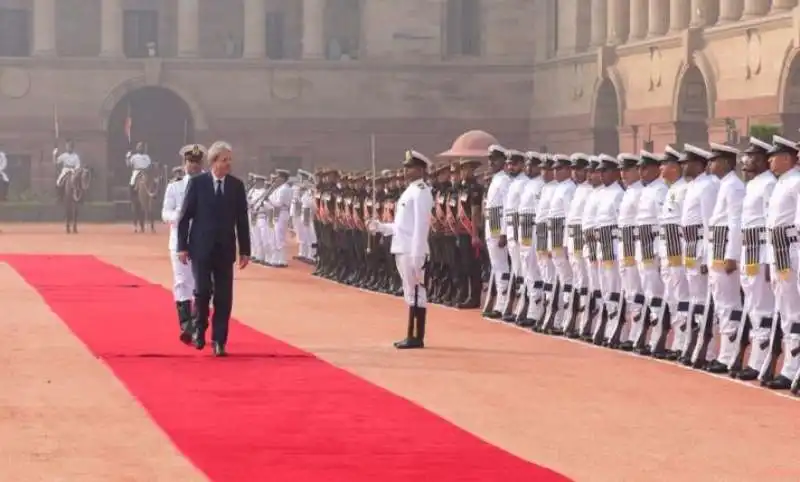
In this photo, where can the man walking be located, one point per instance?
(213, 219)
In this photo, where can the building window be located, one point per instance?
(276, 35)
(342, 29)
(463, 27)
(15, 32)
(140, 33)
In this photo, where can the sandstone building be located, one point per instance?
(288, 82)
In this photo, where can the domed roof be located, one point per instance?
(471, 144)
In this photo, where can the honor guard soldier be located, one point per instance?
(138, 161)
(281, 200)
(589, 226)
(782, 228)
(451, 294)
(496, 241)
(629, 273)
(385, 261)
(359, 241)
(759, 299)
(438, 277)
(409, 233)
(532, 307)
(295, 208)
(575, 242)
(515, 164)
(725, 249)
(326, 211)
(306, 234)
(183, 279)
(469, 218)
(651, 201)
(609, 199)
(542, 230)
(69, 161)
(256, 201)
(396, 188)
(701, 196)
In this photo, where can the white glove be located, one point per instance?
(373, 225)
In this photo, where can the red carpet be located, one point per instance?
(270, 412)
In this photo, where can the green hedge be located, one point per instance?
(47, 212)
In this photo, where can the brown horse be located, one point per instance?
(146, 189)
(76, 184)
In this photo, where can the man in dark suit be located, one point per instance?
(213, 218)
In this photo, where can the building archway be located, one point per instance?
(606, 119)
(157, 116)
(790, 108)
(692, 113)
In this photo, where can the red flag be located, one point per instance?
(128, 124)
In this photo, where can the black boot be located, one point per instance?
(185, 320)
(419, 316)
(409, 329)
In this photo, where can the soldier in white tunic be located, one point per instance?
(725, 248)
(759, 299)
(280, 199)
(782, 227)
(575, 241)
(589, 225)
(701, 196)
(651, 202)
(542, 229)
(306, 237)
(515, 165)
(138, 161)
(609, 199)
(409, 232)
(563, 305)
(630, 282)
(496, 241)
(532, 309)
(183, 279)
(4, 180)
(256, 198)
(69, 161)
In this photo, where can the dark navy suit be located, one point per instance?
(209, 227)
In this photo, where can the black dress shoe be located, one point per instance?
(626, 346)
(715, 366)
(747, 375)
(779, 383)
(409, 344)
(672, 355)
(199, 341)
(492, 315)
(219, 350)
(186, 334)
(643, 350)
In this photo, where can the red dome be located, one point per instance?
(471, 144)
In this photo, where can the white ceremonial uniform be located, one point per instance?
(498, 256)
(69, 162)
(630, 281)
(725, 243)
(308, 237)
(280, 199)
(609, 199)
(528, 202)
(651, 202)
(295, 209)
(139, 162)
(782, 219)
(182, 277)
(759, 299)
(575, 241)
(258, 222)
(3, 166)
(409, 232)
(698, 205)
(546, 268)
(589, 224)
(557, 227)
(511, 216)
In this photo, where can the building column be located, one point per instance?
(313, 29)
(782, 5)
(755, 8)
(599, 21)
(699, 13)
(188, 28)
(679, 14)
(618, 21)
(255, 29)
(639, 19)
(730, 10)
(657, 18)
(44, 27)
(111, 28)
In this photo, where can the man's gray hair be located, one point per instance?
(218, 148)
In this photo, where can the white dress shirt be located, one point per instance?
(609, 199)
(728, 212)
(512, 201)
(783, 202)
(578, 203)
(629, 205)
(495, 197)
(171, 208)
(562, 197)
(412, 221)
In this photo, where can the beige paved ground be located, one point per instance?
(592, 414)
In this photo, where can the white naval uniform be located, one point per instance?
(281, 200)
(629, 273)
(409, 232)
(546, 269)
(307, 235)
(783, 214)
(182, 277)
(651, 201)
(498, 256)
(3, 166)
(725, 243)
(589, 224)
(557, 245)
(698, 205)
(575, 247)
(511, 216)
(609, 199)
(258, 222)
(139, 162)
(295, 209)
(759, 299)
(69, 162)
(528, 201)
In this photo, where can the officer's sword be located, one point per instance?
(374, 194)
